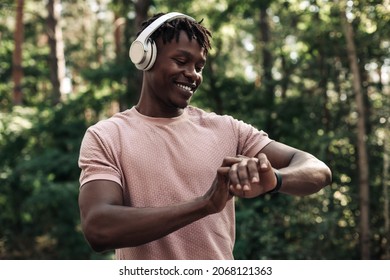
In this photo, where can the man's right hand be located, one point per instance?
(219, 193)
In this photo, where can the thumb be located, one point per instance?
(222, 174)
(264, 163)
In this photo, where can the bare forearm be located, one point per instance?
(116, 226)
(304, 175)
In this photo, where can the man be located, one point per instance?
(158, 180)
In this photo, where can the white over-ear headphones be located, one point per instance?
(143, 50)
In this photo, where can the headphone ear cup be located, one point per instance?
(150, 56)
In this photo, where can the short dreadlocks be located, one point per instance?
(169, 30)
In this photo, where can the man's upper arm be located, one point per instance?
(99, 193)
(279, 154)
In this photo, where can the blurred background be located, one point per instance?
(314, 74)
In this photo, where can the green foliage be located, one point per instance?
(38, 199)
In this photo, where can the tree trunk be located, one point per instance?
(56, 44)
(141, 12)
(386, 171)
(119, 23)
(134, 80)
(386, 186)
(364, 197)
(267, 82)
(17, 70)
(323, 74)
(267, 57)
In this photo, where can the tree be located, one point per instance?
(57, 57)
(364, 197)
(386, 186)
(17, 70)
(141, 8)
(265, 42)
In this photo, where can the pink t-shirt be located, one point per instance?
(160, 162)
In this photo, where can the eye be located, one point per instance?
(199, 68)
(179, 61)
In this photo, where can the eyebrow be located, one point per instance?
(190, 55)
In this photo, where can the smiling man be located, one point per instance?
(158, 180)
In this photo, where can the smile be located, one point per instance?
(186, 88)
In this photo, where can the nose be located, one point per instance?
(191, 73)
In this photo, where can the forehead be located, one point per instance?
(182, 45)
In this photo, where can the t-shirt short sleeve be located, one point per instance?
(97, 160)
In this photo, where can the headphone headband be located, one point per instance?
(148, 31)
(143, 50)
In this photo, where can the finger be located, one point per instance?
(233, 190)
(248, 158)
(223, 175)
(243, 175)
(223, 180)
(223, 170)
(252, 170)
(233, 177)
(229, 161)
(264, 163)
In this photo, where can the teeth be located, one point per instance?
(184, 87)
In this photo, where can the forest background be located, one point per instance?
(313, 74)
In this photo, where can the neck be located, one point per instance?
(158, 112)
